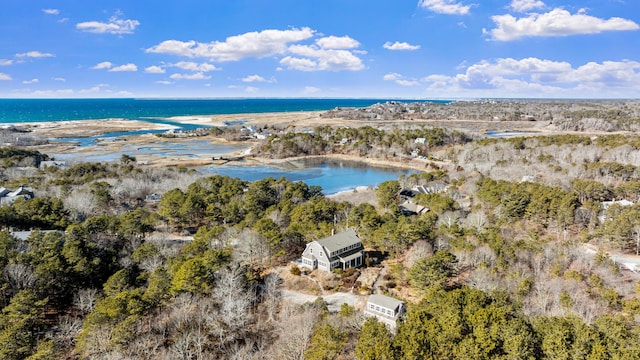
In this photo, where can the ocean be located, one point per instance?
(331, 176)
(46, 110)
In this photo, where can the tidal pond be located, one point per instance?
(332, 175)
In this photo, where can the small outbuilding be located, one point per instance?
(386, 309)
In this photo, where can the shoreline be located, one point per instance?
(416, 164)
(275, 121)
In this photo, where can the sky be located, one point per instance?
(404, 49)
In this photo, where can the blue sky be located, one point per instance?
(418, 49)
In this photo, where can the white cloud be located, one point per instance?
(124, 68)
(526, 5)
(154, 70)
(61, 79)
(52, 93)
(299, 63)
(193, 66)
(103, 65)
(330, 53)
(34, 54)
(337, 42)
(533, 77)
(618, 73)
(311, 58)
(32, 81)
(557, 22)
(95, 89)
(115, 25)
(253, 78)
(310, 90)
(400, 79)
(91, 90)
(449, 7)
(392, 77)
(248, 45)
(5, 62)
(5, 77)
(174, 47)
(400, 46)
(164, 82)
(51, 11)
(251, 89)
(195, 76)
(257, 78)
(403, 82)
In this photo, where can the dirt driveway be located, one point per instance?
(334, 301)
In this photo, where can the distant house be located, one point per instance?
(343, 250)
(420, 141)
(24, 235)
(8, 197)
(410, 208)
(386, 309)
(262, 135)
(53, 163)
(153, 198)
(433, 188)
(602, 215)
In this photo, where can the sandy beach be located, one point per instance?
(284, 121)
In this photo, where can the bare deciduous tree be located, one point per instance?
(234, 298)
(295, 328)
(85, 300)
(271, 294)
(19, 276)
(476, 220)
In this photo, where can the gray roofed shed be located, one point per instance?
(386, 301)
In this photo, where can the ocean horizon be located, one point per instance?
(51, 110)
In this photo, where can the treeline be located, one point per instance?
(12, 156)
(361, 141)
(471, 324)
(565, 115)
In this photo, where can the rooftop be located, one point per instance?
(385, 301)
(339, 241)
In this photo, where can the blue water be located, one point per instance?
(331, 175)
(42, 110)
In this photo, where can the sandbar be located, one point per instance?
(280, 121)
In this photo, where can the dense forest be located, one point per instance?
(498, 268)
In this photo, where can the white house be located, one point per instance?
(605, 205)
(8, 197)
(343, 250)
(53, 163)
(386, 309)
